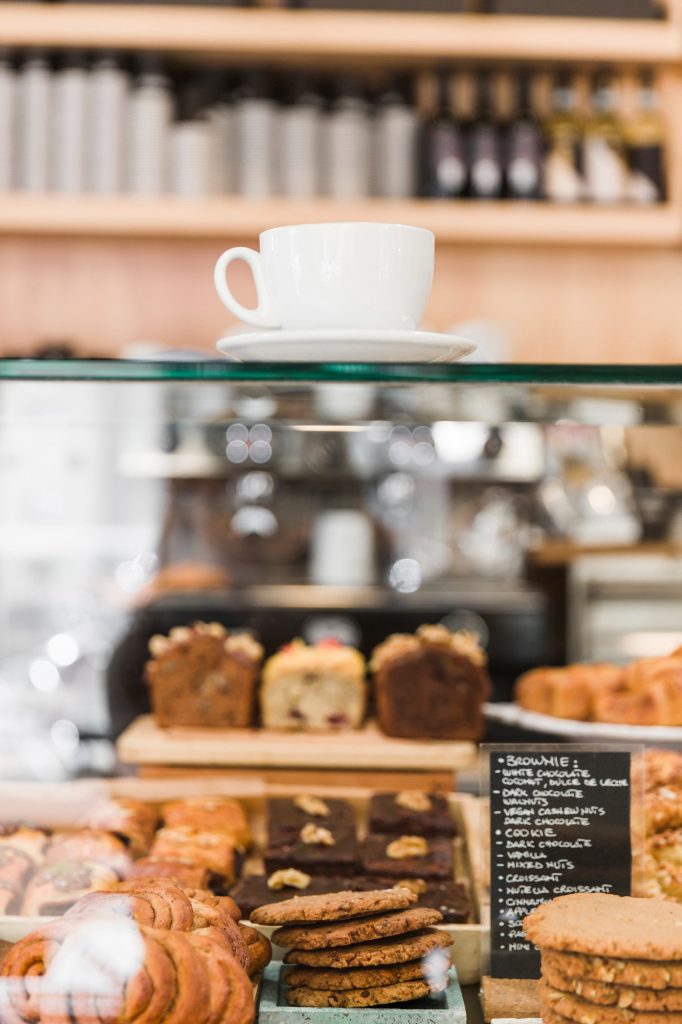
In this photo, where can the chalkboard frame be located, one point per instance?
(526, 964)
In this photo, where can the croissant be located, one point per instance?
(191, 875)
(91, 845)
(155, 906)
(31, 840)
(651, 694)
(213, 850)
(566, 692)
(9, 898)
(14, 866)
(112, 970)
(56, 887)
(133, 821)
(211, 814)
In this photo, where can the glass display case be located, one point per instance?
(534, 509)
(313, 500)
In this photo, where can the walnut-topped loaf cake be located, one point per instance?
(314, 688)
(431, 684)
(203, 675)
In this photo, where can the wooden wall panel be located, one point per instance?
(555, 304)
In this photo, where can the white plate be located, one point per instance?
(593, 732)
(345, 346)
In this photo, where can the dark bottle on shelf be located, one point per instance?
(523, 164)
(645, 135)
(443, 148)
(486, 178)
(563, 171)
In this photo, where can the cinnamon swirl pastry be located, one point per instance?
(162, 906)
(231, 994)
(223, 903)
(259, 949)
(231, 938)
(106, 970)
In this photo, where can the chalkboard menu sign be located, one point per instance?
(559, 823)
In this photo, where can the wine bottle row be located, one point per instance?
(108, 125)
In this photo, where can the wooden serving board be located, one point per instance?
(145, 743)
(62, 804)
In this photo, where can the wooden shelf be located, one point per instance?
(297, 36)
(558, 552)
(144, 742)
(232, 217)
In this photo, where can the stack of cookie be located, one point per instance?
(609, 959)
(355, 949)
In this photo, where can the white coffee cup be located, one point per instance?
(307, 276)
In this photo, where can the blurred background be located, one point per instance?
(542, 509)
(539, 139)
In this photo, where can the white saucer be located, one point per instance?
(345, 346)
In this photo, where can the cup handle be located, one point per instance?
(262, 315)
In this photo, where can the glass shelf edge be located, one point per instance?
(214, 370)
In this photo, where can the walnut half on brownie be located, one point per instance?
(431, 685)
(201, 675)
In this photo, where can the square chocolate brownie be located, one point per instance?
(450, 898)
(328, 849)
(408, 856)
(411, 813)
(286, 817)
